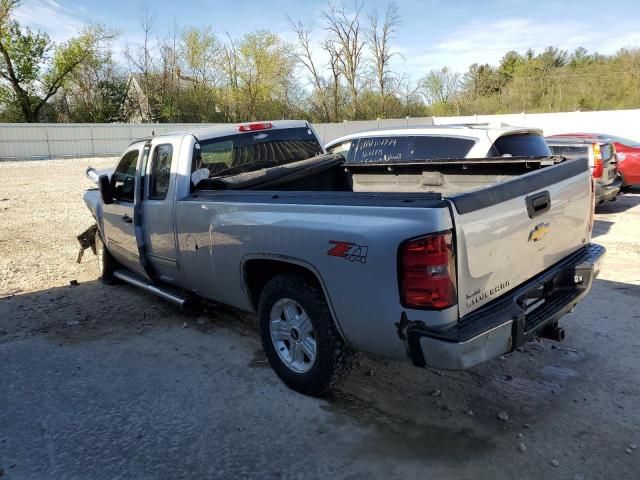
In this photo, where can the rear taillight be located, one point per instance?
(427, 272)
(597, 161)
(592, 217)
(254, 127)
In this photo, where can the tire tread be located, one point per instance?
(329, 369)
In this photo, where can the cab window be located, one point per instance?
(252, 151)
(160, 172)
(124, 177)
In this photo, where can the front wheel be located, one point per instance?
(299, 336)
(106, 263)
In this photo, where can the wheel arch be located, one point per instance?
(257, 270)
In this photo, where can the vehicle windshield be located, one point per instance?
(254, 150)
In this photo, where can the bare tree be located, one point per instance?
(347, 40)
(409, 92)
(167, 78)
(141, 60)
(380, 33)
(334, 64)
(229, 65)
(304, 56)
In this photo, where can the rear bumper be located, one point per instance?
(605, 193)
(509, 321)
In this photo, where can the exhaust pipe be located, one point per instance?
(553, 332)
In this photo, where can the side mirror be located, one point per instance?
(104, 187)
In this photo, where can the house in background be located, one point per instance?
(141, 89)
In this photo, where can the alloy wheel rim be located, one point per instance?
(292, 335)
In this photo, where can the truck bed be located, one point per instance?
(332, 173)
(502, 209)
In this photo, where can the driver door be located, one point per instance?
(119, 228)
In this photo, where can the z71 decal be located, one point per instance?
(349, 251)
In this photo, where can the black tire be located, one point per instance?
(624, 188)
(106, 263)
(333, 359)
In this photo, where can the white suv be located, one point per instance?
(415, 144)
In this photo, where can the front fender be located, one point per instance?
(94, 204)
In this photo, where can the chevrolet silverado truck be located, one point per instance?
(446, 262)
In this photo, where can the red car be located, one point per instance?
(628, 152)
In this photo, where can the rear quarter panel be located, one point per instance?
(217, 238)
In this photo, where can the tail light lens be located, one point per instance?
(592, 217)
(597, 161)
(427, 272)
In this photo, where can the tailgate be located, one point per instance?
(511, 231)
(609, 164)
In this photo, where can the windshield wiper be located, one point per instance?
(240, 168)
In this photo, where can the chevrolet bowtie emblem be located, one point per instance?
(538, 232)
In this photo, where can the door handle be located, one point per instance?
(126, 218)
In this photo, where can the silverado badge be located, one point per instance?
(538, 232)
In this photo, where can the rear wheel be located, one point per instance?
(106, 263)
(299, 336)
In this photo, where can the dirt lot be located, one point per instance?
(110, 382)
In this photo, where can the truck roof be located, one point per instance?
(223, 130)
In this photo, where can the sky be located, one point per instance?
(433, 33)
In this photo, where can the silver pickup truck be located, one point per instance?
(258, 217)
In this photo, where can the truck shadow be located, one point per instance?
(417, 413)
(601, 227)
(91, 310)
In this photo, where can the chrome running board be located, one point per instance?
(171, 295)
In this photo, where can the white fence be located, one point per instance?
(59, 140)
(53, 140)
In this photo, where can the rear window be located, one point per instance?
(581, 151)
(571, 152)
(606, 151)
(520, 145)
(254, 150)
(406, 149)
(624, 141)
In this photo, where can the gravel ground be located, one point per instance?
(110, 382)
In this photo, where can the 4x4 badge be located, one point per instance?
(349, 251)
